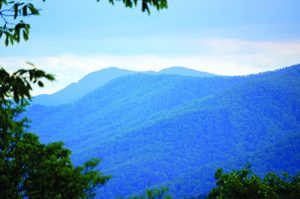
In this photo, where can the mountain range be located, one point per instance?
(87, 84)
(175, 127)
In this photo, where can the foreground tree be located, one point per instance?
(29, 168)
(244, 184)
(155, 193)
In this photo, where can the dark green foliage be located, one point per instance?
(244, 184)
(27, 167)
(155, 193)
(145, 4)
(12, 14)
(17, 85)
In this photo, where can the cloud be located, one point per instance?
(220, 56)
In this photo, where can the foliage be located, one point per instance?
(17, 85)
(244, 184)
(27, 167)
(158, 4)
(155, 193)
(14, 12)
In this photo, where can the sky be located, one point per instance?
(73, 38)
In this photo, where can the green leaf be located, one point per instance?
(32, 9)
(40, 84)
(6, 40)
(16, 7)
(25, 35)
(11, 39)
(25, 10)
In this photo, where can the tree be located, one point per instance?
(14, 12)
(27, 167)
(155, 193)
(244, 184)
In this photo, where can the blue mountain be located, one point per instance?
(75, 91)
(163, 129)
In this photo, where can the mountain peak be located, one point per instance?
(88, 83)
(106, 73)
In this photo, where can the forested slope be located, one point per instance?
(153, 130)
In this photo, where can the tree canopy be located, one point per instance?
(244, 184)
(29, 168)
(154, 193)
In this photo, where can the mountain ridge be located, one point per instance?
(75, 91)
(153, 130)
(90, 82)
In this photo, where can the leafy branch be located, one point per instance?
(14, 12)
(12, 15)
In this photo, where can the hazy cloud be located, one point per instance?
(220, 56)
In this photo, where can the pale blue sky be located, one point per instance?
(72, 38)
